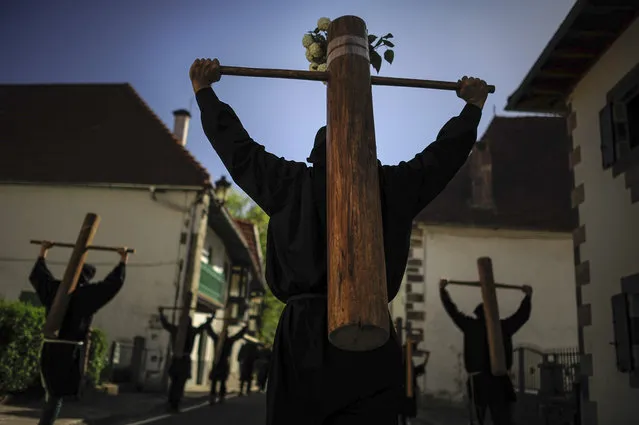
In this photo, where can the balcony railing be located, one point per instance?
(212, 284)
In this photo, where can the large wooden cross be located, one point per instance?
(72, 273)
(491, 312)
(357, 297)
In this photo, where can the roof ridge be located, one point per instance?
(189, 156)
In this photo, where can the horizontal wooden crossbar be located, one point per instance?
(90, 247)
(324, 76)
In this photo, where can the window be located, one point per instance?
(207, 255)
(619, 121)
(625, 320)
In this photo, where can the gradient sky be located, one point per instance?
(151, 44)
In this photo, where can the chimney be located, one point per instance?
(481, 174)
(181, 125)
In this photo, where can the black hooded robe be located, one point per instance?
(487, 390)
(310, 380)
(246, 357)
(180, 368)
(220, 371)
(262, 365)
(61, 361)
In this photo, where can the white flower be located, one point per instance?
(309, 57)
(307, 40)
(322, 67)
(323, 24)
(316, 50)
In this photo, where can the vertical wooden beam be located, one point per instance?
(358, 318)
(409, 360)
(491, 313)
(71, 276)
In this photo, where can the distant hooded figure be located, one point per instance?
(220, 371)
(180, 368)
(246, 357)
(262, 365)
(486, 391)
(61, 359)
(310, 380)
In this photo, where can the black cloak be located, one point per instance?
(310, 380)
(61, 362)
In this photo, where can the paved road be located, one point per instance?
(235, 411)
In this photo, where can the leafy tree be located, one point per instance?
(241, 206)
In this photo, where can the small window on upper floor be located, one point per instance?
(207, 255)
(619, 122)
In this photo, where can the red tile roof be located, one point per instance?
(89, 133)
(532, 182)
(248, 231)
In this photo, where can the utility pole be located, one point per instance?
(192, 271)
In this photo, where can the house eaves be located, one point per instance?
(590, 28)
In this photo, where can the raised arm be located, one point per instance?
(204, 325)
(418, 181)
(41, 278)
(461, 320)
(269, 180)
(239, 334)
(513, 323)
(171, 328)
(92, 298)
(211, 333)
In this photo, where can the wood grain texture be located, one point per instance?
(491, 313)
(358, 318)
(71, 276)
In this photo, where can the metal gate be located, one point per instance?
(547, 387)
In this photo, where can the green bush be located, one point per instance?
(20, 342)
(98, 356)
(21, 326)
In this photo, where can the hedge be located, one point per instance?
(20, 343)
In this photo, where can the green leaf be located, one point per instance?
(371, 38)
(376, 61)
(379, 42)
(389, 55)
(389, 35)
(388, 43)
(316, 31)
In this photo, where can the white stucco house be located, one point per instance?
(70, 149)
(589, 73)
(509, 202)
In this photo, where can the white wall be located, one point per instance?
(128, 217)
(612, 231)
(543, 261)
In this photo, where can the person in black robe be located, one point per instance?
(486, 391)
(180, 368)
(247, 357)
(262, 365)
(61, 359)
(220, 371)
(410, 404)
(310, 380)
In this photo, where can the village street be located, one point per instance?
(235, 411)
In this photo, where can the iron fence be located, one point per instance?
(526, 372)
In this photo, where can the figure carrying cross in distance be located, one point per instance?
(310, 380)
(61, 358)
(486, 391)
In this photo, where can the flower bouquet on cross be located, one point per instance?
(316, 43)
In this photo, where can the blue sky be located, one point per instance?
(151, 44)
